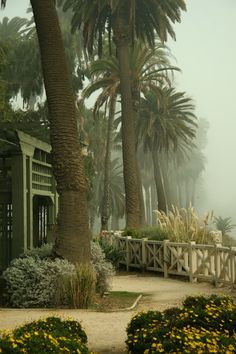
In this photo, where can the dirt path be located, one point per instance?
(106, 331)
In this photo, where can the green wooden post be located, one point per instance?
(19, 205)
(29, 203)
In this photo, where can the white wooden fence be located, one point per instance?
(213, 263)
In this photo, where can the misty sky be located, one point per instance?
(205, 50)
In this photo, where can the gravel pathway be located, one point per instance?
(106, 331)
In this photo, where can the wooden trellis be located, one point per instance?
(28, 198)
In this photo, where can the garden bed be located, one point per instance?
(115, 300)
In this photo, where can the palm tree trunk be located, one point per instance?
(115, 223)
(159, 182)
(105, 213)
(135, 94)
(193, 199)
(140, 195)
(164, 169)
(187, 193)
(122, 40)
(148, 205)
(73, 237)
(153, 204)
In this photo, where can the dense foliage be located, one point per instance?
(50, 335)
(201, 325)
(152, 233)
(33, 279)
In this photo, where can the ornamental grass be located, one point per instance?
(184, 225)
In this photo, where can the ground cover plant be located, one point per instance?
(50, 335)
(201, 325)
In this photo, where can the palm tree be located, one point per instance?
(73, 237)
(225, 225)
(12, 29)
(110, 85)
(164, 122)
(148, 67)
(129, 20)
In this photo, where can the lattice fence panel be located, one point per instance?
(154, 252)
(204, 262)
(177, 258)
(135, 253)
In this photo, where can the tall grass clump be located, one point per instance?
(184, 225)
(77, 289)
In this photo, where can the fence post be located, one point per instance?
(127, 252)
(217, 264)
(192, 263)
(165, 258)
(232, 266)
(144, 254)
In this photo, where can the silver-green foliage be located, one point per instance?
(32, 279)
(103, 269)
(32, 282)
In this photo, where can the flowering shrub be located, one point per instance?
(51, 335)
(202, 325)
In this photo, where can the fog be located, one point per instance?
(205, 51)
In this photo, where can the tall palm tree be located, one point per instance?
(148, 67)
(163, 124)
(110, 88)
(129, 20)
(72, 237)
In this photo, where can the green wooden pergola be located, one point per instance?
(28, 198)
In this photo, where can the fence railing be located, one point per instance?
(213, 263)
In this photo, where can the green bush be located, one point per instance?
(103, 269)
(202, 325)
(34, 279)
(51, 335)
(32, 282)
(112, 254)
(45, 251)
(77, 289)
(152, 233)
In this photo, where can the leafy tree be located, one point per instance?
(73, 237)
